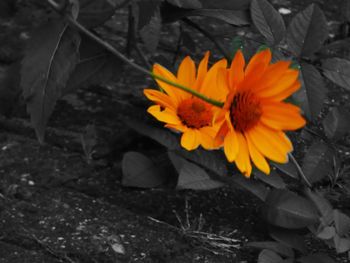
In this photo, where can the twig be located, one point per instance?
(300, 170)
(210, 36)
(115, 52)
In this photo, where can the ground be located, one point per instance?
(57, 206)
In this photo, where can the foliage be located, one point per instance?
(58, 60)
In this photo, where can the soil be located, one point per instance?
(57, 205)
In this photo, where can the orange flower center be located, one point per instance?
(195, 113)
(245, 111)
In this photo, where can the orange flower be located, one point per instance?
(182, 111)
(254, 117)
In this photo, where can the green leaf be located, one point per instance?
(162, 136)
(323, 206)
(187, 4)
(268, 256)
(312, 92)
(192, 176)
(286, 209)
(336, 124)
(50, 58)
(342, 223)
(289, 238)
(273, 246)
(273, 179)
(140, 171)
(235, 45)
(345, 10)
(268, 21)
(316, 258)
(338, 71)
(94, 13)
(318, 161)
(341, 244)
(307, 31)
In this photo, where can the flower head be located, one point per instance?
(255, 116)
(182, 111)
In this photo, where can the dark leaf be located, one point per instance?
(323, 206)
(150, 33)
(345, 10)
(341, 244)
(286, 209)
(268, 21)
(273, 179)
(326, 233)
(316, 258)
(307, 31)
(342, 223)
(211, 160)
(187, 4)
(277, 247)
(95, 12)
(312, 92)
(9, 89)
(162, 136)
(192, 176)
(256, 188)
(95, 67)
(228, 5)
(235, 45)
(237, 18)
(338, 71)
(287, 168)
(336, 124)
(268, 256)
(140, 171)
(53, 49)
(317, 162)
(7, 8)
(149, 22)
(289, 238)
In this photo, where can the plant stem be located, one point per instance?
(295, 162)
(115, 52)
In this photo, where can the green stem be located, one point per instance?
(115, 52)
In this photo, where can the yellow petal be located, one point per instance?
(210, 86)
(283, 94)
(282, 116)
(274, 72)
(190, 140)
(257, 158)
(186, 75)
(269, 143)
(263, 57)
(236, 71)
(173, 92)
(242, 159)
(207, 135)
(284, 83)
(202, 71)
(166, 116)
(159, 98)
(231, 146)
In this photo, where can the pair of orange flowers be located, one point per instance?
(251, 124)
